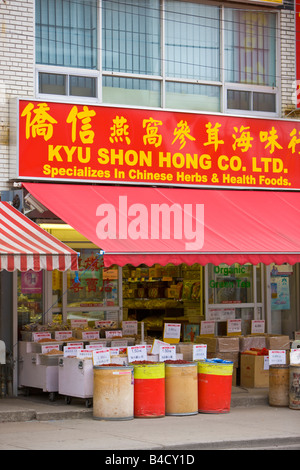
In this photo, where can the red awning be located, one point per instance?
(24, 245)
(150, 225)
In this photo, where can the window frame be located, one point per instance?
(224, 86)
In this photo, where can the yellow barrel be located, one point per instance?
(279, 385)
(181, 384)
(113, 392)
(294, 393)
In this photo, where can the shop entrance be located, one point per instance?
(282, 307)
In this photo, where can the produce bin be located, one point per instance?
(214, 385)
(181, 388)
(279, 377)
(75, 379)
(149, 390)
(113, 392)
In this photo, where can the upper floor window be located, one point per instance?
(159, 53)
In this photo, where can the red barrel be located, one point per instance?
(214, 386)
(149, 390)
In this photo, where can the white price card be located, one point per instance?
(266, 362)
(61, 335)
(137, 353)
(207, 328)
(49, 347)
(71, 350)
(277, 357)
(295, 356)
(84, 354)
(167, 353)
(76, 344)
(101, 356)
(172, 330)
(234, 326)
(94, 346)
(114, 351)
(257, 327)
(89, 335)
(156, 345)
(113, 334)
(199, 352)
(42, 335)
(79, 323)
(129, 328)
(105, 324)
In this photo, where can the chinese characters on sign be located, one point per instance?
(100, 144)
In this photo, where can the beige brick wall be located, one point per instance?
(16, 67)
(287, 52)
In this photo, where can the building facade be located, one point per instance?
(224, 58)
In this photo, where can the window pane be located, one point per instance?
(52, 84)
(238, 99)
(97, 286)
(264, 102)
(118, 90)
(190, 96)
(83, 86)
(250, 47)
(192, 41)
(66, 33)
(30, 298)
(131, 36)
(230, 284)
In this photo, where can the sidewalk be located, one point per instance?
(35, 423)
(37, 405)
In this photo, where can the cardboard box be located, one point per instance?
(219, 343)
(232, 356)
(186, 349)
(278, 342)
(252, 372)
(252, 341)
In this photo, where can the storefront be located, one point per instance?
(29, 252)
(175, 215)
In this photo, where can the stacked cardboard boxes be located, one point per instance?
(254, 372)
(222, 347)
(248, 354)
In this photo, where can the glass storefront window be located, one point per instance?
(57, 289)
(30, 298)
(92, 286)
(230, 284)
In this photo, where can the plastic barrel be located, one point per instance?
(279, 385)
(149, 390)
(181, 389)
(113, 392)
(294, 387)
(214, 386)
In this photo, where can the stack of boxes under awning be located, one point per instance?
(248, 354)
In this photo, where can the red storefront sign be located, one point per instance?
(98, 144)
(297, 47)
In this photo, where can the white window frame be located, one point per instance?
(67, 72)
(224, 86)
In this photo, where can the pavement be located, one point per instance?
(34, 422)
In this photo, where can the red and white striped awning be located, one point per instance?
(24, 245)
